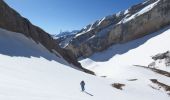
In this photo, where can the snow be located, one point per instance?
(145, 2)
(65, 37)
(28, 71)
(79, 34)
(85, 29)
(148, 8)
(101, 21)
(117, 62)
(126, 12)
(93, 26)
(131, 53)
(142, 11)
(160, 64)
(64, 43)
(118, 14)
(104, 31)
(90, 27)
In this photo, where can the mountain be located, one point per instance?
(139, 20)
(13, 21)
(65, 33)
(31, 70)
(145, 51)
(138, 64)
(63, 38)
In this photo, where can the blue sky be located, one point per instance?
(56, 15)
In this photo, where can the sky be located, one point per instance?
(54, 16)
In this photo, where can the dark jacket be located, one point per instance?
(82, 83)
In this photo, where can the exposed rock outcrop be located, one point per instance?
(163, 56)
(13, 21)
(161, 85)
(134, 23)
(118, 86)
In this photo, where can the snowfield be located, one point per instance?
(118, 62)
(137, 52)
(30, 72)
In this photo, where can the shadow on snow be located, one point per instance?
(123, 48)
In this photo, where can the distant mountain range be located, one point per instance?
(137, 21)
(64, 33)
(63, 38)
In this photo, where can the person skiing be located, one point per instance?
(82, 83)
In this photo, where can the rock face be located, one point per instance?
(163, 56)
(12, 21)
(136, 22)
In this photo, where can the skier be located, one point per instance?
(82, 83)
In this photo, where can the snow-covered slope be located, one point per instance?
(30, 72)
(118, 62)
(11, 20)
(137, 52)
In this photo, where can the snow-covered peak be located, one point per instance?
(142, 11)
(65, 34)
(64, 38)
(125, 16)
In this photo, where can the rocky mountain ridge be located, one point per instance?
(13, 21)
(133, 23)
